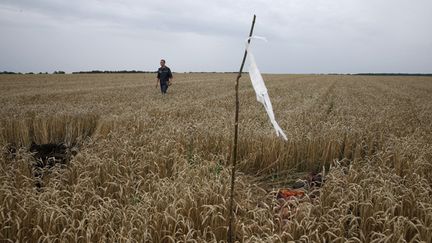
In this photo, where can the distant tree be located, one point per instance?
(7, 72)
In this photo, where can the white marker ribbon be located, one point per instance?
(260, 88)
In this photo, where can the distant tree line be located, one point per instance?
(106, 71)
(55, 72)
(138, 71)
(6, 72)
(213, 72)
(395, 74)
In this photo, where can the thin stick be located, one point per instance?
(233, 169)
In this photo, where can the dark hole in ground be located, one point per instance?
(47, 156)
(52, 141)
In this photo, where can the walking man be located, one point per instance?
(164, 77)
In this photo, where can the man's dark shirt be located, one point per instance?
(164, 74)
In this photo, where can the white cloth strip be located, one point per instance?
(260, 88)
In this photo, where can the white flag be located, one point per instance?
(261, 90)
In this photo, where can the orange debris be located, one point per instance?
(288, 193)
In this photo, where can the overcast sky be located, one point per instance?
(304, 36)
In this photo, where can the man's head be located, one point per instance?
(162, 63)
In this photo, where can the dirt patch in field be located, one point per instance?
(52, 141)
(46, 156)
(50, 154)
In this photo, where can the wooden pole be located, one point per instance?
(231, 230)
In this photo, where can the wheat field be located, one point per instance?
(153, 168)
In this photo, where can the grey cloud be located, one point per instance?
(304, 35)
(188, 16)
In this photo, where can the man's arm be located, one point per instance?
(170, 76)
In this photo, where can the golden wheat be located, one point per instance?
(156, 169)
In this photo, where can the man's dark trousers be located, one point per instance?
(164, 86)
